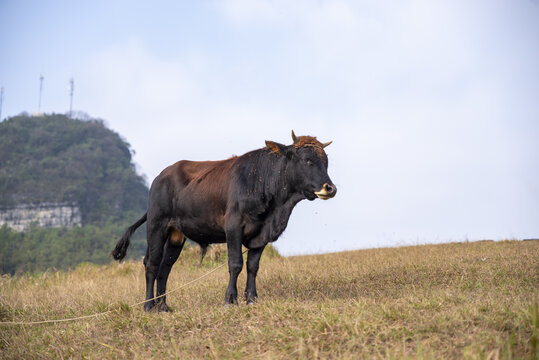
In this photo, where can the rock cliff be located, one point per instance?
(46, 215)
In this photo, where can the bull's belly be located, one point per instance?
(210, 229)
(206, 234)
(203, 232)
(203, 235)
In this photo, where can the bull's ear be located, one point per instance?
(276, 147)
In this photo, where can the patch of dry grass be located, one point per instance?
(462, 300)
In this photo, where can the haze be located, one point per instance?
(433, 107)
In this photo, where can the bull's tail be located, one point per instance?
(121, 247)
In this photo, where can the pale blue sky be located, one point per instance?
(433, 107)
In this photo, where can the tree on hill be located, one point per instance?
(56, 159)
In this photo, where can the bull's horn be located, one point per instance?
(326, 144)
(294, 137)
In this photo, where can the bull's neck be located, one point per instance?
(284, 191)
(267, 175)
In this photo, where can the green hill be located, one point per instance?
(53, 159)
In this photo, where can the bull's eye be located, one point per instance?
(309, 162)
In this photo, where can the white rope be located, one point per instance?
(106, 312)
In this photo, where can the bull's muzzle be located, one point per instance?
(327, 192)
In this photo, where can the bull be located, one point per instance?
(244, 200)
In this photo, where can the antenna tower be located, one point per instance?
(71, 90)
(40, 91)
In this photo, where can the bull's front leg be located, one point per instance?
(235, 263)
(253, 259)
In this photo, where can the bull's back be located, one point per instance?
(194, 194)
(206, 174)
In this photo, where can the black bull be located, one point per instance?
(245, 200)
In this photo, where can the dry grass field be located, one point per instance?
(461, 300)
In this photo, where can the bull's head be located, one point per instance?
(307, 166)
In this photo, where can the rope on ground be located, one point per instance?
(106, 312)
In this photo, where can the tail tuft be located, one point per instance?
(120, 250)
(121, 247)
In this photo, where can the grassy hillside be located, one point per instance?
(461, 300)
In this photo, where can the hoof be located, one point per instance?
(230, 304)
(163, 307)
(148, 306)
(250, 298)
(231, 299)
(251, 301)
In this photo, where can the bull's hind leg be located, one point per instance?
(173, 248)
(153, 259)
